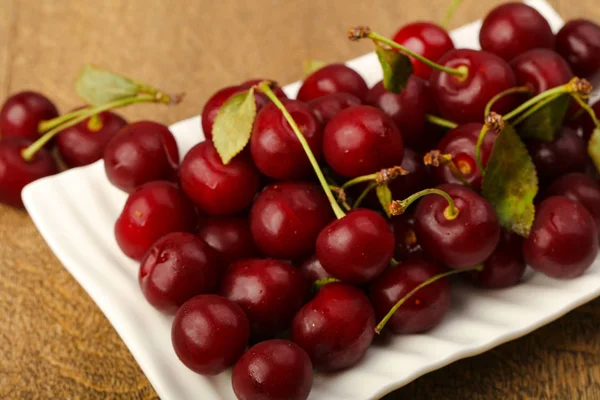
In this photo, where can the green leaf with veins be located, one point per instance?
(397, 68)
(97, 86)
(544, 123)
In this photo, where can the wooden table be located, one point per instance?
(54, 342)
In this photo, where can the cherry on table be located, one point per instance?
(407, 243)
(312, 269)
(578, 41)
(581, 188)
(540, 70)
(22, 113)
(328, 106)
(333, 78)
(230, 237)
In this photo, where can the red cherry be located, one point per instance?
(578, 42)
(333, 78)
(514, 28)
(273, 370)
(362, 140)
(407, 243)
(417, 178)
(152, 211)
(141, 152)
(584, 124)
(563, 242)
(209, 334)
(312, 269)
(541, 69)
(16, 173)
(328, 106)
(581, 188)
(212, 106)
(178, 267)
(22, 113)
(426, 39)
(261, 98)
(336, 327)
(230, 237)
(215, 188)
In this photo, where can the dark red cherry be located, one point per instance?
(212, 106)
(275, 148)
(464, 99)
(16, 173)
(230, 237)
(333, 78)
(312, 269)
(422, 311)
(540, 70)
(22, 113)
(85, 142)
(357, 247)
(581, 188)
(178, 267)
(512, 29)
(426, 39)
(273, 370)
(328, 106)
(269, 291)
(584, 125)
(463, 241)
(417, 178)
(563, 242)
(407, 243)
(336, 327)
(261, 98)
(286, 218)
(141, 152)
(151, 211)
(362, 140)
(216, 188)
(578, 42)
(209, 334)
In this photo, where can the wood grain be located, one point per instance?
(54, 342)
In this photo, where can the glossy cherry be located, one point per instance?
(216, 188)
(312, 269)
(275, 370)
(336, 327)
(209, 333)
(328, 106)
(152, 211)
(141, 152)
(578, 42)
(581, 188)
(212, 106)
(407, 243)
(563, 242)
(230, 237)
(22, 113)
(261, 98)
(540, 70)
(417, 178)
(333, 78)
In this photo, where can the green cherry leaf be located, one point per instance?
(510, 182)
(233, 125)
(594, 148)
(384, 194)
(97, 86)
(397, 68)
(544, 123)
(310, 66)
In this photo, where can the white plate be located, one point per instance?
(75, 212)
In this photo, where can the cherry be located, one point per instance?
(584, 124)
(328, 106)
(275, 148)
(151, 211)
(425, 309)
(16, 173)
(563, 242)
(84, 143)
(426, 39)
(312, 269)
(212, 106)
(357, 247)
(178, 267)
(269, 291)
(540, 70)
(457, 241)
(230, 237)
(362, 140)
(216, 188)
(581, 188)
(407, 243)
(22, 113)
(273, 370)
(417, 178)
(514, 28)
(286, 218)
(209, 333)
(578, 42)
(261, 98)
(141, 152)
(336, 327)
(333, 78)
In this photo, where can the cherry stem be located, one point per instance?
(516, 89)
(364, 194)
(265, 88)
(398, 207)
(94, 123)
(45, 126)
(429, 281)
(480, 139)
(439, 121)
(535, 108)
(436, 158)
(453, 6)
(394, 262)
(324, 281)
(360, 179)
(381, 177)
(341, 196)
(587, 108)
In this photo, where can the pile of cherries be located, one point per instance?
(264, 262)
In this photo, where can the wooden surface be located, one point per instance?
(54, 342)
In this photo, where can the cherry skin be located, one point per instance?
(362, 140)
(139, 153)
(464, 100)
(276, 150)
(421, 312)
(16, 173)
(407, 243)
(152, 211)
(426, 39)
(581, 188)
(214, 187)
(578, 42)
(512, 29)
(563, 242)
(417, 178)
(463, 241)
(540, 70)
(328, 106)
(22, 113)
(286, 218)
(262, 99)
(230, 237)
(269, 291)
(209, 334)
(212, 106)
(178, 267)
(336, 327)
(333, 78)
(275, 370)
(584, 125)
(357, 247)
(312, 269)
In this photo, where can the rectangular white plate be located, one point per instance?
(75, 212)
